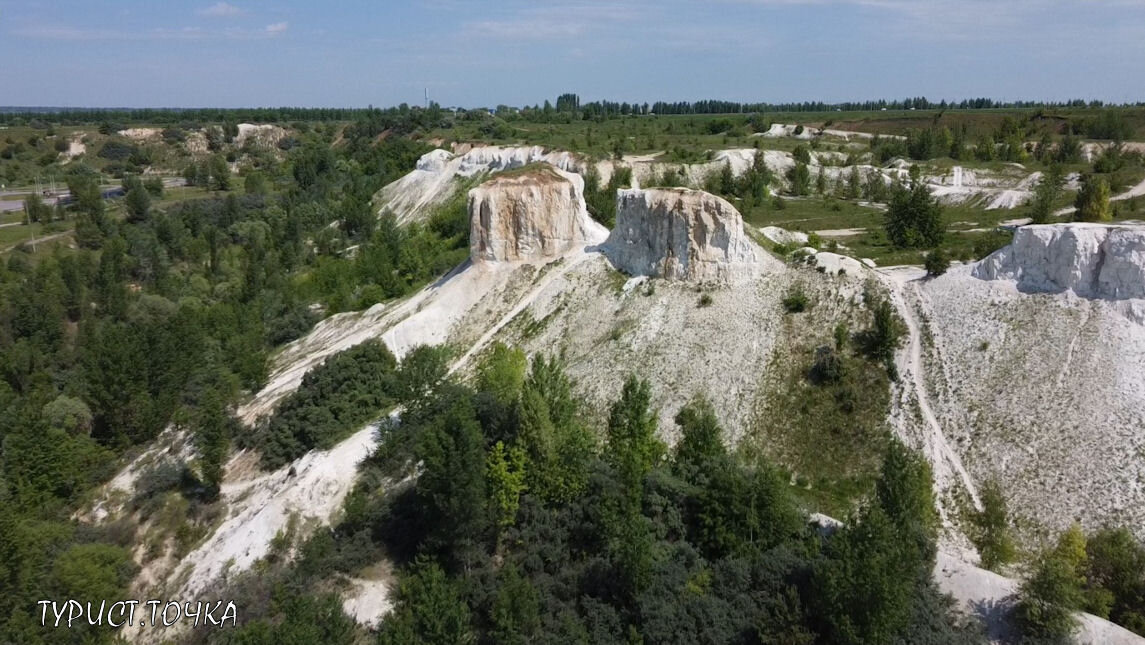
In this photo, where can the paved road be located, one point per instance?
(14, 200)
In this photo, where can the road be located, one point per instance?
(14, 200)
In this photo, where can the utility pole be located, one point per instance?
(427, 98)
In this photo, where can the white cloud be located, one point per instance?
(221, 9)
(277, 28)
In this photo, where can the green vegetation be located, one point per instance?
(694, 545)
(991, 531)
(1046, 194)
(601, 201)
(914, 218)
(164, 316)
(519, 527)
(1092, 202)
(334, 399)
(1101, 573)
(937, 262)
(796, 300)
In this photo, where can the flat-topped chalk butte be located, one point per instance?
(682, 234)
(531, 214)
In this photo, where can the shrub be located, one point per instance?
(117, 150)
(990, 242)
(842, 335)
(796, 300)
(828, 366)
(334, 399)
(937, 262)
(705, 300)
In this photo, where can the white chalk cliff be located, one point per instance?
(1091, 260)
(532, 215)
(681, 234)
(432, 181)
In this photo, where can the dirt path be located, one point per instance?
(948, 468)
(37, 240)
(1135, 191)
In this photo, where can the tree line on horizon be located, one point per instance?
(565, 104)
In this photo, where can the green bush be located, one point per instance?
(334, 399)
(796, 300)
(936, 263)
(828, 366)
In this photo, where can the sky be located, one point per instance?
(474, 53)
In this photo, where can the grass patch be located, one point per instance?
(828, 434)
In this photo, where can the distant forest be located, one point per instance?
(566, 103)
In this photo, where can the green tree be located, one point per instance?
(865, 583)
(632, 444)
(800, 178)
(633, 450)
(423, 368)
(138, 204)
(255, 183)
(854, 183)
(1092, 201)
(991, 528)
(35, 210)
(1115, 563)
(914, 218)
(505, 475)
(1046, 194)
(69, 414)
(452, 487)
(429, 610)
(212, 438)
(755, 182)
(220, 173)
(94, 572)
(516, 611)
(1048, 598)
(885, 333)
(502, 374)
(905, 491)
(558, 445)
(701, 440)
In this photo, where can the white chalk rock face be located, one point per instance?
(532, 215)
(681, 234)
(1092, 260)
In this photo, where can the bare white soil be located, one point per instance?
(1043, 392)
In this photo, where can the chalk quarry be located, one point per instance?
(544, 276)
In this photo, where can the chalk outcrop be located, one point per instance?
(438, 172)
(531, 215)
(1092, 260)
(681, 234)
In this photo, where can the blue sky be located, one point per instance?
(483, 52)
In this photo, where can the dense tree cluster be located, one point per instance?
(519, 528)
(161, 318)
(334, 399)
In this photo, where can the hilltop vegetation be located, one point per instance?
(625, 541)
